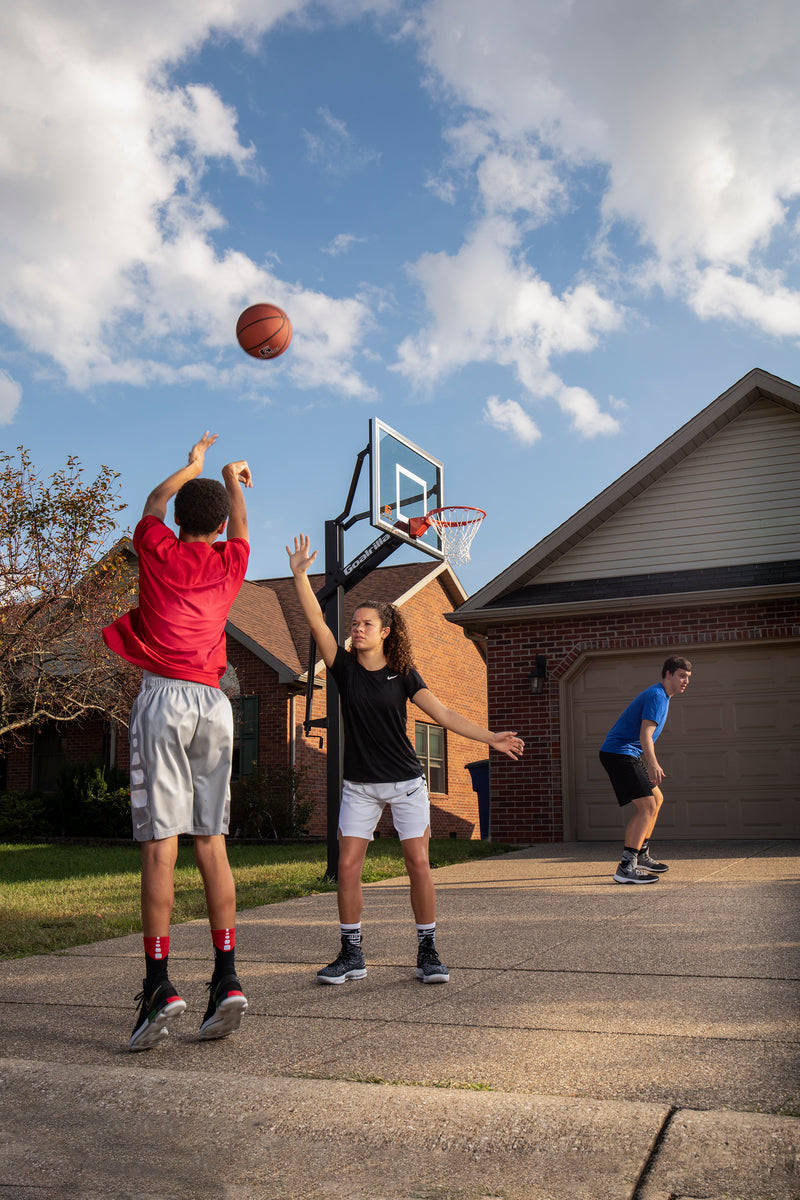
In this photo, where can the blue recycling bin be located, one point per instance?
(479, 773)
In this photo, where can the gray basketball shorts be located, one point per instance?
(181, 738)
(363, 803)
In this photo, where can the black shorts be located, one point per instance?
(628, 776)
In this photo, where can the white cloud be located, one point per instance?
(767, 301)
(341, 244)
(10, 396)
(511, 417)
(689, 109)
(335, 149)
(102, 163)
(487, 304)
(587, 417)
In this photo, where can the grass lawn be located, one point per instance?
(57, 896)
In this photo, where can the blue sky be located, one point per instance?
(534, 237)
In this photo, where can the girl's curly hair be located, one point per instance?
(397, 646)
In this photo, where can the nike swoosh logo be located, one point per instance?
(391, 677)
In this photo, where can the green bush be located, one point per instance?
(270, 803)
(23, 816)
(92, 800)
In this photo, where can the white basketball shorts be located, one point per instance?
(363, 803)
(181, 737)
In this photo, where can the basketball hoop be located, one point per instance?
(456, 526)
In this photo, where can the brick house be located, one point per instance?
(694, 550)
(268, 642)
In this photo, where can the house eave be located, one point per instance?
(282, 670)
(498, 615)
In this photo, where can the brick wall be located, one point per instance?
(527, 795)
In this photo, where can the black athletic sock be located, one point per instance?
(224, 941)
(156, 959)
(630, 854)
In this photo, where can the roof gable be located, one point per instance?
(722, 491)
(266, 615)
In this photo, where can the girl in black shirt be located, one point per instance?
(375, 680)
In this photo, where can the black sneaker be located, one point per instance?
(430, 968)
(650, 864)
(156, 1009)
(628, 872)
(348, 964)
(226, 1007)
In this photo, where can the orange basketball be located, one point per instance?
(264, 330)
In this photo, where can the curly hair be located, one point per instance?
(397, 647)
(201, 506)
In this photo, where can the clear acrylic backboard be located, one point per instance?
(405, 482)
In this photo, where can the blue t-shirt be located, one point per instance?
(650, 705)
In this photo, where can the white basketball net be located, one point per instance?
(456, 527)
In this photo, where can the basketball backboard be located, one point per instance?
(405, 482)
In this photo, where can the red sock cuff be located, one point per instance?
(156, 947)
(223, 939)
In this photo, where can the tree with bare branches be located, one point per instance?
(59, 585)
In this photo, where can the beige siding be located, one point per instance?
(736, 499)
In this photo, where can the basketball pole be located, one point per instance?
(339, 579)
(334, 619)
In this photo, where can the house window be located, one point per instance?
(48, 758)
(245, 735)
(431, 744)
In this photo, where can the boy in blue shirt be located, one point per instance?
(629, 757)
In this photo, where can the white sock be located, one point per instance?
(426, 931)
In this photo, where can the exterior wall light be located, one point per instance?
(538, 676)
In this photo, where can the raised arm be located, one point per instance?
(507, 743)
(235, 476)
(156, 503)
(300, 559)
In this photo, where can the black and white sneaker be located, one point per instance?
(348, 964)
(650, 864)
(156, 1010)
(430, 968)
(226, 1007)
(628, 872)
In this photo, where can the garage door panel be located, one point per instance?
(702, 766)
(731, 747)
(762, 814)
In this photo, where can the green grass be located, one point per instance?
(56, 896)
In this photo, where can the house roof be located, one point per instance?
(539, 580)
(267, 618)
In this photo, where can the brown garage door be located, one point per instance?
(731, 746)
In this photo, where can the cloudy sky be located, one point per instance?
(534, 236)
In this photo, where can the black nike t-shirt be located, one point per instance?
(376, 748)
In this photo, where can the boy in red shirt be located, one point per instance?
(181, 729)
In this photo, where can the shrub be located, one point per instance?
(92, 800)
(271, 804)
(23, 817)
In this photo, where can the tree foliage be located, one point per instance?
(59, 584)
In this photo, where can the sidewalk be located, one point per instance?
(596, 1042)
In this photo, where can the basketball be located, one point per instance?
(264, 330)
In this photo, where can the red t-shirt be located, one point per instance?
(186, 590)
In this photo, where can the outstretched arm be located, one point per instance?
(235, 476)
(300, 559)
(507, 743)
(156, 503)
